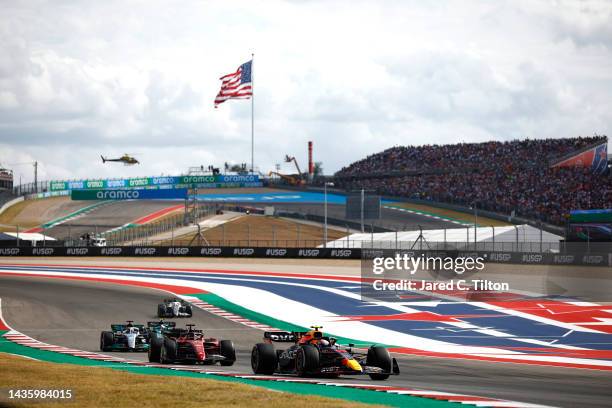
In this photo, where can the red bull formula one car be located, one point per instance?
(313, 354)
(189, 346)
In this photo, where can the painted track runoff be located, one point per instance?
(544, 385)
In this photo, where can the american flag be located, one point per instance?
(237, 85)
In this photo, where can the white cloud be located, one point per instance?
(78, 79)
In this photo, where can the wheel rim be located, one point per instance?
(254, 360)
(299, 362)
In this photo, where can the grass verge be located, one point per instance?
(455, 215)
(102, 387)
(263, 231)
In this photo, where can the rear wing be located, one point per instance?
(175, 333)
(280, 336)
(169, 325)
(122, 327)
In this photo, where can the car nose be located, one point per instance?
(352, 364)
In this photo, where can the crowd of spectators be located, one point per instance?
(493, 155)
(506, 177)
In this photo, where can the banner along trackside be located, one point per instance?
(205, 181)
(123, 194)
(517, 258)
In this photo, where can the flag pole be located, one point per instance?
(252, 115)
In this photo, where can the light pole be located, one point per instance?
(325, 211)
(475, 222)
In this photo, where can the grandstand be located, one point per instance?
(6, 185)
(517, 177)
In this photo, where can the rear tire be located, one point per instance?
(263, 359)
(379, 357)
(161, 310)
(189, 311)
(227, 350)
(307, 360)
(106, 341)
(168, 352)
(155, 349)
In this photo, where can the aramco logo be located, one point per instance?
(118, 195)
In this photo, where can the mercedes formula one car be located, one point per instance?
(189, 345)
(314, 354)
(174, 307)
(125, 337)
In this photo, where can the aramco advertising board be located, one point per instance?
(209, 181)
(130, 194)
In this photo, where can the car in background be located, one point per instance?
(190, 346)
(159, 327)
(313, 354)
(174, 307)
(125, 337)
(98, 242)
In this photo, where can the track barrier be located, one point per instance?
(521, 258)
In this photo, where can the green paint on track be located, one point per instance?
(433, 214)
(345, 393)
(52, 223)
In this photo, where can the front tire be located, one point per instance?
(227, 350)
(106, 341)
(189, 311)
(379, 357)
(263, 359)
(161, 310)
(307, 360)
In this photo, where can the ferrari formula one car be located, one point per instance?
(314, 354)
(190, 346)
(125, 337)
(174, 307)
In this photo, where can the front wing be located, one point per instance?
(342, 370)
(124, 347)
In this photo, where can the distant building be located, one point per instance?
(6, 179)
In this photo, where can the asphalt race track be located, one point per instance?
(118, 213)
(391, 219)
(108, 216)
(72, 314)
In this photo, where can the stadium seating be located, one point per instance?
(504, 177)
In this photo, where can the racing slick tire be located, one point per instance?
(168, 352)
(263, 359)
(188, 311)
(379, 356)
(106, 341)
(161, 310)
(307, 360)
(227, 350)
(155, 349)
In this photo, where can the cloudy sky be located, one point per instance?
(84, 78)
